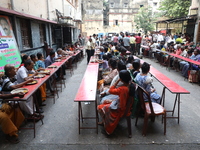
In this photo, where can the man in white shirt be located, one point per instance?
(24, 71)
(23, 75)
(94, 39)
(160, 37)
(90, 49)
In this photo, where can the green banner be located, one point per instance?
(9, 52)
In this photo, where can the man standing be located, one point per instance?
(132, 43)
(126, 41)
(89, 49)
(115, 38)
(138, 43)
(94, 39)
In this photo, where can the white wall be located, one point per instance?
(36, 8)
(5, 3)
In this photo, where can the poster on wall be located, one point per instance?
(9, 52)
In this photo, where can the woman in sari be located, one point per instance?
(39, 65)
(112, 111)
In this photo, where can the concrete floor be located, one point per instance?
(60, 128)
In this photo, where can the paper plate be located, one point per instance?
(31, 83)
(40, 76)
(57, 60)
(45, 71)
(24, 90)
(52, 66)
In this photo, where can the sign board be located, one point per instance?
(9, 52)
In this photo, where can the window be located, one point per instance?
(125, 5)
(111, 5)
(53, 35)
(25, 33)
(141, 6)
(115, 22)
(42, 33)
(155, 4)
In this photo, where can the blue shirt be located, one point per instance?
(48, 61)
(40, 64)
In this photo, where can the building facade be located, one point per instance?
(34, 22)
(92, 17)
(103, 16)
(195, 10)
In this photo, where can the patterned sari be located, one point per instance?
(111, 116)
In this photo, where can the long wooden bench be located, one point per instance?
(87, 93)
(172, 86)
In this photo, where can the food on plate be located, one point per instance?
(24, 90)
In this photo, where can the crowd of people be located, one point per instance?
(118, 73)
(15, 78)
(180, 44)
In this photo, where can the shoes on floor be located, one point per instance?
(12, 139)
(43, 105)
(39, 111)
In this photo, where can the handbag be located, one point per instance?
(193, 76)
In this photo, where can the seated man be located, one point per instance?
(195, 57)
(50, 59)
(7, 114)
(23, 74)
(61, 72)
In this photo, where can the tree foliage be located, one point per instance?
(175, 8)
(145, 20)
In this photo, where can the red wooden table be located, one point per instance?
(185, 59)
(87, 93)
(32, 88)
(172, 86)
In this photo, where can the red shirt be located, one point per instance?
(178, 51)
(138, 39)
(115, 39)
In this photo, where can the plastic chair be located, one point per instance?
(150, 109)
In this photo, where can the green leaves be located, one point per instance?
(144, 19)
(175, 8)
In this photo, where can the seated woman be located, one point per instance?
(37, 68)
(107, 77)
(112, 111)
(129, 62)
(103, 64)
(24, 57)
(105, 94)
(136, 69)
(40, 62)
(145, 81)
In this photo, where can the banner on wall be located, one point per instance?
(9, 52)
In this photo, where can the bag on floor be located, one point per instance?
(193, 76)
